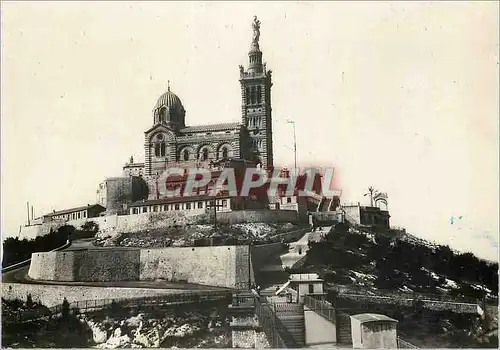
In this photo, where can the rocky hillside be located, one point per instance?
(392, 263)
(197, 326)
(167, 329)
(194, 235)
(386, 260)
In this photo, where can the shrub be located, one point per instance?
(29, 301)
(16, 250)
(65, 308)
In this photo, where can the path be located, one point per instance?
(277, 275)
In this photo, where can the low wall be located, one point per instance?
(222, 266)
(32, 232)
(51, 295)
(243, 216)
(327, 216)
(291, 236)
(464, 308)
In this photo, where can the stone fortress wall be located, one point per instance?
(221, 266)
(151, 221)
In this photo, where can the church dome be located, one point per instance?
(169, 99)
(169, 110)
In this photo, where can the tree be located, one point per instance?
(65, 308)
(29, 301)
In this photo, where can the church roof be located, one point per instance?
(211, 127)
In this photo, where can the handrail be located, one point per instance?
(276, 332)
(416, 295)
(321, 307)
(403, 344)
(25, 262)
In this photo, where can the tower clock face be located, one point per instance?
(256, 131)
(159, 137)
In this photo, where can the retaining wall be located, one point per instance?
(223, 266)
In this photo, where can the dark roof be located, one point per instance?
(373, 318)
(138, 165)
(72, 210)
(173, 200)
(211, 127)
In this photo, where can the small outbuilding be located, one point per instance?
(373, 331)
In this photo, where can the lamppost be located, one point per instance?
(213, 206)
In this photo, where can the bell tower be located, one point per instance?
(256, 104)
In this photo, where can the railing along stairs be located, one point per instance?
(276, 333)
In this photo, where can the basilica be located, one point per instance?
(169, 142)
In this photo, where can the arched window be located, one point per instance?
(163, 113)
(204, 155)
(259, 94)
(224, 152)
(247, 95)
(185, 154)
(160, 149)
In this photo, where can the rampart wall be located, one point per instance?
(159, 220)
(222, 266)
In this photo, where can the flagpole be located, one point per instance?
(294, 142)
(294, 146)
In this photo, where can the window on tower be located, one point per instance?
(160, 149)
(204, 154)
(247, 95)
(224, 152)
(186, 154)
(259, 94)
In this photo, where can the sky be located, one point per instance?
(400, 96)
